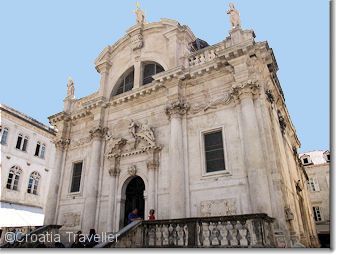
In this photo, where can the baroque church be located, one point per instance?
(182, 127)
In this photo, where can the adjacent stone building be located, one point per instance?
(27, 151)
(317, 165)
(184, 128)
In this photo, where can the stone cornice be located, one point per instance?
(133, 94)
(133, 152)
(25, 118)
(58, 117)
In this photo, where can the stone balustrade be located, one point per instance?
(237, 231)
(201, 58)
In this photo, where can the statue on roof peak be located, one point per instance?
(140, 16)
(70, 88)
(234, 16)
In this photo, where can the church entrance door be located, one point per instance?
(134, 197)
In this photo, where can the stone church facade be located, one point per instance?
(181, 127)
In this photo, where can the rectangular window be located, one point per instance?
(317, 213)
(4, 136)
(24, 146)
(76, 178)
(30, 185)
(43, 149)
(37, 150)
(16, 182)
(313, 184)
(214, 152)
(9, 181)
(305, 161)
(18, 143)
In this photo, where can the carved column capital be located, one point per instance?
(98, 132)
(245, 89)
(62, 144)
(152, 165)
(176, 109)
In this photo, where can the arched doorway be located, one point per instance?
(134, 197)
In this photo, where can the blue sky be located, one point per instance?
(44, 42)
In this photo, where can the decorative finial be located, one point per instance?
(234, 16)
(70, 88)
(140, 16)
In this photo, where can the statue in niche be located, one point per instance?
(140, 16)
(70, 88)
(234, 16)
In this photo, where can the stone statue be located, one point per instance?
(70, 88)
(140, 16)
(133, 128)
(234, 16)
(148, 131)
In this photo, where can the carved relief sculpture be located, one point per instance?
(71, 219)
(132, 170)
(218, 207)
(142, 131)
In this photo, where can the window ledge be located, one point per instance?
(218, 173)
(73, 195)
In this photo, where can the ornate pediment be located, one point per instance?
(115, 145)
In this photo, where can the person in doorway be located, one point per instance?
(151, 215)
(133, 216)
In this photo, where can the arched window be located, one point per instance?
(4, 135)
(13, 178)
(150, 69)
(125, 82)
(33, 183)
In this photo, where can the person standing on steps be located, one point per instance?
(151, 215)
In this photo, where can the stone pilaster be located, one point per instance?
(152, 167)
(104, 69)
(257, 175)
(175, 111)
(114, 173)
(52, 197)
(91, 179)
